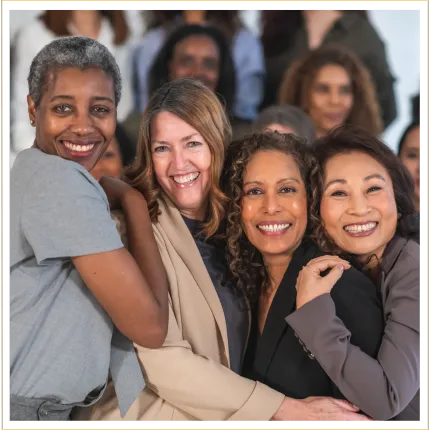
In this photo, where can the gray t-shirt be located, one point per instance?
(60, 336)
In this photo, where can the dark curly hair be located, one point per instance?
(298, 79)
(347, 139)
(245, 261)
(226, 87)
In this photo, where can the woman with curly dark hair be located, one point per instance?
(289, 34)
(266, 179)
(363, 209)
(333, 87)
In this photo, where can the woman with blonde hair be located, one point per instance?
(333, 87)
(195, 375)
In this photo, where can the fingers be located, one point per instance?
(346, 405)
(333, 258)
(335, 274)
(326, 263)
(350, 416)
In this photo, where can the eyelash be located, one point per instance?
(258, 191)
(164, 148)
(61, 109)
(342, 193)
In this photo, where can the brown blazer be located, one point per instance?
(189, 377)
(389, 386)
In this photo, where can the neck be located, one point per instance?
(195, 214)
(87, 22)
(276, 266)
(318, 23)
(321, 16)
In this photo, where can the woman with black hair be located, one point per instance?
(119, 154)
(196, 51)
(246, 51)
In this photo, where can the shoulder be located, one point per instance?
(51, 175)
(411, 252)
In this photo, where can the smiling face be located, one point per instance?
(182, 162)
(274, 211)
(410, 157)
(76, 117)
(358, 207)
(331, 98)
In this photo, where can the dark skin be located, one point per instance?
(196, 56)
(76, 120)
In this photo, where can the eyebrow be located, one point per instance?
(367, 178)
(277, 183)
(69, 97)
(184, 139)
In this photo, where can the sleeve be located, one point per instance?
(250, 72)
(381, 387)
(65, 214)
(25, 49)
(195, 384)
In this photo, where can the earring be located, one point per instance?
(32, 121)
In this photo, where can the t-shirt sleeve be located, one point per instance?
(66, 214)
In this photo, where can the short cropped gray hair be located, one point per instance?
(75, 51)
(289, 116)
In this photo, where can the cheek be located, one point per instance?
(330, 213)
(161, 166)
(348, 101)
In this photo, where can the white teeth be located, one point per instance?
(355, 228)
(273, 227)
(79, 148)
(186, 178)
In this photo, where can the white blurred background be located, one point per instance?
(401, 30)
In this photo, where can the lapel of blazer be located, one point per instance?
(282, 305)
(181, 239)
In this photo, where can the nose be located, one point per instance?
(83, 124)
(358, 205)
(180, 160)
(334, 97)
(271, 203)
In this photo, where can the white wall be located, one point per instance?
(398, 29)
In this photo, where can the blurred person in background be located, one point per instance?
(286, 119)
(119, 154)
(415, 108)
(107, 27)
(289, 34)
(246, 51)
(333, 87)
(197, 51)
(409, 153)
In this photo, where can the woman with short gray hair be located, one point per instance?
(286, 119)
(72, 283)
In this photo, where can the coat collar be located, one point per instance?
(181, 239)
(392, 252)
(283, 304)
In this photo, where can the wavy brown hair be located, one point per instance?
(57, 21)
(347, 139)
(245, 261)
(297, 83)
(198, 106)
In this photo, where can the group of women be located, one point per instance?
(262, 279)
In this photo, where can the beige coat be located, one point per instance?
(189, 377)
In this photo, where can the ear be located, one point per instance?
(31, 110)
